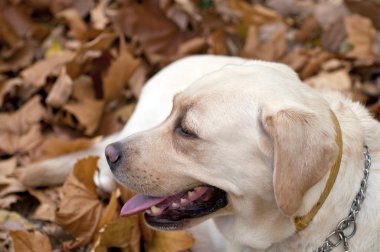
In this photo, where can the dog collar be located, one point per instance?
(301, 222)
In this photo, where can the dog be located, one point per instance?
(246, 148)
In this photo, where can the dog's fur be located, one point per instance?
(265, 138)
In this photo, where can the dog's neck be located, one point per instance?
(358, 128)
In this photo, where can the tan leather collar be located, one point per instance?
(301, 222)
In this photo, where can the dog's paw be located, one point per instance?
(46, 173)
(103, 177)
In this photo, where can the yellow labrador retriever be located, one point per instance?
(275, 164)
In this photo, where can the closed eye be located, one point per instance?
(183, 131)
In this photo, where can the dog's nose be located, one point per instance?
(113, 154)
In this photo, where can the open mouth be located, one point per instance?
(175, 211)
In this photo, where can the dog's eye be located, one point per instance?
(184, 132)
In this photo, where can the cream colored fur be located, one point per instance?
(268, 142)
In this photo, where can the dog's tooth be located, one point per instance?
(148, 211)
(197, 189)
(190, 193)
(175, 205)
(184, 201)
(155, 210)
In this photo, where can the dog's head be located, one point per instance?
(244, 144)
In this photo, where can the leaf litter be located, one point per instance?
(72, 71)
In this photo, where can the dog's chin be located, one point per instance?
(184, 215)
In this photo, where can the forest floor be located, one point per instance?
(72, 71)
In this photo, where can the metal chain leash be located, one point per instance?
(346, 228)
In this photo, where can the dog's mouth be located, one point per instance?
(175, 211)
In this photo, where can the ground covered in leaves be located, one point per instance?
(72, 71)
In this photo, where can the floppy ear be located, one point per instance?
(304, 150)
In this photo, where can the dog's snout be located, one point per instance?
(113, 154)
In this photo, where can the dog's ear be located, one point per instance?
(304, 150)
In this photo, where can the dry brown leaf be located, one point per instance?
(367, 8)
(192, 46)
(77, 26)
(9, 86)
(275, 47)
(8, 34)
(10, 185)
(88, 112)
(161, 37)
(83, 88)
(61, 90)
(48, 203)
(123, 233)
(117, 232)
(13, 221)
(170, 242)
(101, 42)
(254, 14)
(99, 18)
(30, 241)
(217, 43)
(306, 62)
(83, 7)
(22, 57)
(36, 74)
(11, 143)
(137, 80)
(22, 120)
(119, 72)
(54, 147)
(361, 35)
(80, 209)
(339, 80)
(8, 166)
(7, 201)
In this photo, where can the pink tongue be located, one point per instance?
(139, 203)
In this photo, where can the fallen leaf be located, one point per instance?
(327, 14)
(7, 167)
(99, 18)
(254, 13)
(119, 72)
(22, 57)
(7, 201)
(54, 146)
(88, 112)
(8, 34)
(217, 43)
(82, 7)
(17, 19)
(9, 185)
(161, 37)
(83, 88)
(61, 90)
(22, 120)
(123, 233)
(80, 210)
(306, 62)
(9, 86)
(170, 242)
(11, 143)
(338, 80)
(36, 74)
(30, 241)
(77, 26)
(48, 199)
(361, 35)
(13, 221)
(366, 8)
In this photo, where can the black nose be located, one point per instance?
(113, 155)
